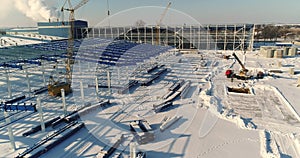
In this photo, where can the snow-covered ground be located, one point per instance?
(39, 37)
(15, 41)
(25, 39)
(213, 123)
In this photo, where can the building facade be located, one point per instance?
(62, 28)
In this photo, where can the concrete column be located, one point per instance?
(39, 106)
(97, 86)
(145, 35)
(43, 72)
(118, 68)
(132, 150)
(28, 80)
(127, 74)
(225, 38)
(152, 38)
(216, 39)
(79, 66)
(244, 58)
(167, 36)
(175, 37)
(131, 34)
(182, 37)
(63, 98)
(10, 132)
(81, 91)
(108, 81)
(207, 37)
(8, 83)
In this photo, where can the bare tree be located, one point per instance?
(140, 23)
(270, 32)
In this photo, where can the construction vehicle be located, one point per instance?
(242, 73)
(54, 87)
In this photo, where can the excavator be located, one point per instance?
(55, 86)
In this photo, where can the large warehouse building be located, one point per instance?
(203, 37)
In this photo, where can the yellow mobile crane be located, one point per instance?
(242, 74)
(54, 87)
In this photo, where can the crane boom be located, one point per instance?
(242, 65)
(159, 23)
(164, 14)
(82, 3)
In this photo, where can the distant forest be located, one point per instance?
(275, 33)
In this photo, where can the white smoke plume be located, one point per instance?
(37, 10)
(5, 8)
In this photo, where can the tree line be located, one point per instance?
(272, 32)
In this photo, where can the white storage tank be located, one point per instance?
(278, 53)
(293, 51)
(270, 53)
(286, 51)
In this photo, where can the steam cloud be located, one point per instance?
(36, 9)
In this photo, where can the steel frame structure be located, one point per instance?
(203, 37)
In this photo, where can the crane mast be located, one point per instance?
(54, 87)
(71, 37)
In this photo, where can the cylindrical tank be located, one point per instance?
(292, 51)
(286, 51)
(278, 53)
(291, 71)
(270, 53)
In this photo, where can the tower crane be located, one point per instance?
(54, 87)
(158, 23)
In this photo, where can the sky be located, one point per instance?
(23, 13)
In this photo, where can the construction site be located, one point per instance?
(155, 91)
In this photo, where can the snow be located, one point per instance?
(214, 122)
(15, 41)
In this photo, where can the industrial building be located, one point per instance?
(206, 37)
(203, 37)
(62, 28)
